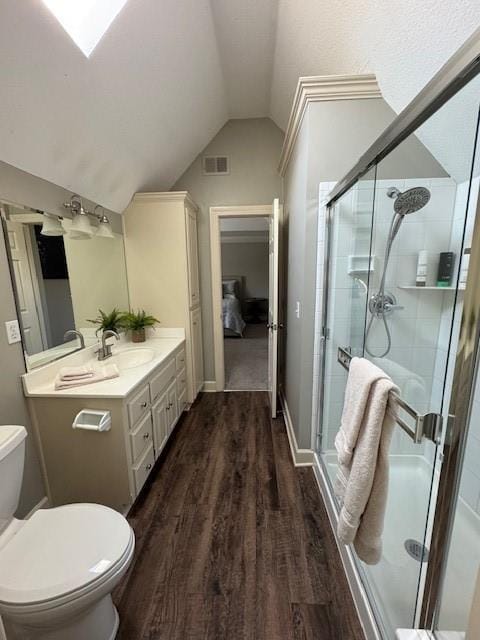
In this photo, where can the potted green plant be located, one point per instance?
(108, 320)
(136, 322)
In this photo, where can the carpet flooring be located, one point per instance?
(246, 360)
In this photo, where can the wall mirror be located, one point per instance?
(61, 279)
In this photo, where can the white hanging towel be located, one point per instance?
(362, 445)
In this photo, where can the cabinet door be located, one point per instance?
(160, 423)
(197, 349)
(192, 257)
(172, 409)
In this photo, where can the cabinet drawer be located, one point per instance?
(161, 379)
(143, 468)
(141, 437)
(180, 360)
(182, 402)
(181, 381)
(138, 405)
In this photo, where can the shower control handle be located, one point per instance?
(393, 307)
(381, 305)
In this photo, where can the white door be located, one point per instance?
(273, 306)
(25, 289)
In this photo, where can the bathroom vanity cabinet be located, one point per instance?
(110, 467)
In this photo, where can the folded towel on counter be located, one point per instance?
(362, 445)
(102, 373)
(72, 373)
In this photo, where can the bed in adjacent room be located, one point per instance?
(233, 322)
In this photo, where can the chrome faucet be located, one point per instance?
(105, 350)
(74, 332)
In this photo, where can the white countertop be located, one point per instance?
(40, 382)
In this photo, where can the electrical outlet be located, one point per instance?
(13, 331)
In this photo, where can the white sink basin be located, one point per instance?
(131, 358)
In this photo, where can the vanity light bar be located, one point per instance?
(76, 206)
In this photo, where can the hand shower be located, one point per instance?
(382, 304)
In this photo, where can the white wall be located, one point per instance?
(253, 147)
(250, 260)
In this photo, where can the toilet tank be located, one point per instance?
(12, 456)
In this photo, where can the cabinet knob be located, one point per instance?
(167, 407)
(144, 404)
(148, 467)
(146, 436)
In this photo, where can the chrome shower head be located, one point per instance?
(409, 201)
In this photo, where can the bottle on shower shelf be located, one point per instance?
(445, 269)
(422, 268)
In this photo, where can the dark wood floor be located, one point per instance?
(233, 542)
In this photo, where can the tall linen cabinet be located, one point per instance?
(162, 269)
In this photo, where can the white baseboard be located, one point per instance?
(301, 457)
(357, 589)
(209, 386)
(42, 504)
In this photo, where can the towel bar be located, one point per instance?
(428, 425)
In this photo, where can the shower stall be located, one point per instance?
(415, 192)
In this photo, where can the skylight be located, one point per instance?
(85, 21)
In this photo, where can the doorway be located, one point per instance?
(244, 264)
(244, 261)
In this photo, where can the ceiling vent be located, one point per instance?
(215, 166)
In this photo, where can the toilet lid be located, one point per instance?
(61, 550)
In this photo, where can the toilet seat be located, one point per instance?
(62, 554)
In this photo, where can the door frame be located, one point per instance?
(216, 214)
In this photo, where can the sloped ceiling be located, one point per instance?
(169, 73)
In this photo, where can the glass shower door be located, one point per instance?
(349, 234)
(357, 237)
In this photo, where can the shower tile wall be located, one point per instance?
(421, 331)
(416, 328)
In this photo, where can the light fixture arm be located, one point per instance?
(76, 206)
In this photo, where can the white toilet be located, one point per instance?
(57, 569)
